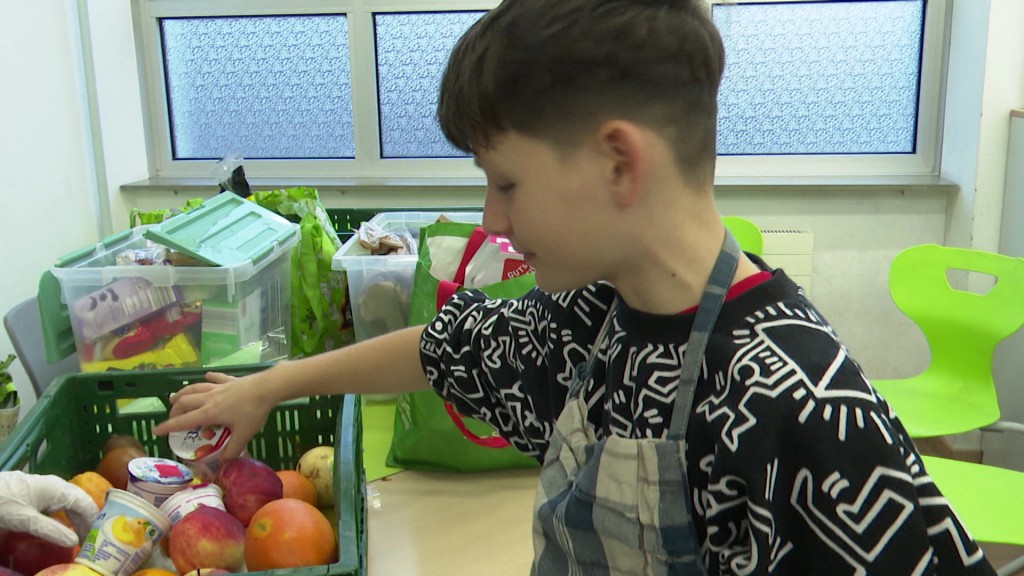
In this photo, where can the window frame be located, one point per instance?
(925, 159)
(362, 61)
(368, 164)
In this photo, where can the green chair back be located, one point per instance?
(747, 235)
(956, 392)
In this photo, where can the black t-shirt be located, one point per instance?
(795, 464)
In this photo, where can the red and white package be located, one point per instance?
(495, 260)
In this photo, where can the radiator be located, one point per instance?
(791, 250)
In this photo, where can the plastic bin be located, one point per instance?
(127, 317)
(64, 432)
(380, 286)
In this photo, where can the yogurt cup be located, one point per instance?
(122, 535)
(157, 479)
(200, 448)
(191, 498)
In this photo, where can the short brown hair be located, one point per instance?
(556, 69)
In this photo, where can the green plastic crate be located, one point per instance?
(64, 432)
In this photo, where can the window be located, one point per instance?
(268, 86)
(313, 88)
(820, 78)
(412, 52)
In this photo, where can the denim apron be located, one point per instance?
(621, 506)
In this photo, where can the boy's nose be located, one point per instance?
(495, 219)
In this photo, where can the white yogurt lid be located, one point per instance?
(160, 471)
(199, 442)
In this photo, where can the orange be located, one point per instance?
(288, 533)
(297, 486)
(114, 465)
(95, 486)
(119, 440)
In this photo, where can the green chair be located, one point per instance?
(986, 500)
(747, 235)
(956, 392)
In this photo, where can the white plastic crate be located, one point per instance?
(380, 286)
(217, 314)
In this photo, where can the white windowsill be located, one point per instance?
(475, 185)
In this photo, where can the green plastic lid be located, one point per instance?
(225, 230)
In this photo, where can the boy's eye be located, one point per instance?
(505, 188)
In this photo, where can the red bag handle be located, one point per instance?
(493, 441)
(445, 290)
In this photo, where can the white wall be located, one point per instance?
(856, 236)
(118, 128)
(1004, 89)
(48, 208)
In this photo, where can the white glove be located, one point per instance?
(26, 498)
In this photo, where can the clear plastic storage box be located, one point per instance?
(127, 316)
(380, 286)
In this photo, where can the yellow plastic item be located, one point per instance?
(177, 353)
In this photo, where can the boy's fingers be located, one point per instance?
(188, 403)
(218, 377)
(180, 423)
(234, 447)
(190, 389)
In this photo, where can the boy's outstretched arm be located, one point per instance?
(388, 363)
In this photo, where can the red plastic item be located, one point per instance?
(152, 329)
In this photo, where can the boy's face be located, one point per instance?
(551, 205)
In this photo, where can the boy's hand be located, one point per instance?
(224, 400)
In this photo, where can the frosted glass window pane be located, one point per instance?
(820, 77)
(412, 52)
(268, 87)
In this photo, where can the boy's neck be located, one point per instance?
(672, 256)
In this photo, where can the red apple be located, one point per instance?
(28, 554)
(247, 484)
(9, 572)
(207, 537)
(69, 569)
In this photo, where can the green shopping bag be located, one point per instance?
(318, 295)
(137, 217)
(429, 434)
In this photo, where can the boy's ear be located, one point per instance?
(622, 147)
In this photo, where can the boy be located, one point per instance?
(594, 122)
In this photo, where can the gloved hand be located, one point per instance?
(25, 499)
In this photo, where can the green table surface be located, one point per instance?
(378, 428)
